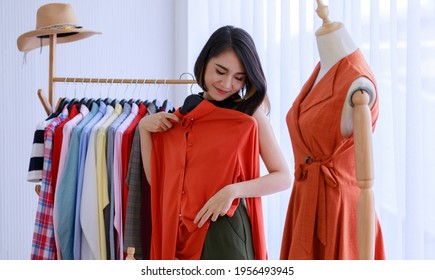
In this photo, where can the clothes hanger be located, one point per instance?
(99, 100)
(114, 101)
(147, 101)
(138, 101)
(192, 100)
(152, 108)
(132, 100)
(99, 92)
(60, 104)
(190, 103)
(193, 79)
(91, 100)
(165, 102)
(74, 101)
(123, 100)
(156, 101)
(167, 105)
(108, 100)
(89, 103)
(84, 100)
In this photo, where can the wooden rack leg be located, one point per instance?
(38, 189)
(45, 103)
(52, 68)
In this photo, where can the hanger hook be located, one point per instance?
(148, 90)
(125, 91)
(158, 87)
(167, 89)
(101, 85)
(116, 89)
(134, 89)
(111, 83)
(66, 88)
(193, 79)
(75, 88)
(86, 85)
(92, 85)
(140, 89)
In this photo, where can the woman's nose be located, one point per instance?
(226, 82)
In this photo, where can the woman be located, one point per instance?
(229, 71)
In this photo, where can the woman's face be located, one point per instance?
(224, 75)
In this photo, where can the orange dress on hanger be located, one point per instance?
(321, 220)
(210, 148)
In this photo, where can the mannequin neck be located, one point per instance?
(332, 47)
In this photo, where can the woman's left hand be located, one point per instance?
(216, 206)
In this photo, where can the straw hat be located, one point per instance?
(54, 18)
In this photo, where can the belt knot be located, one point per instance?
(325, 166)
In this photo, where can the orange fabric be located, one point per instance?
(210, 148)
(321, 220)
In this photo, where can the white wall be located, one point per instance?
(138, 41)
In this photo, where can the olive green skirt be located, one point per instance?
(229, 238)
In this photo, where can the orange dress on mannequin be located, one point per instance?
(208, 149)
(321, 220)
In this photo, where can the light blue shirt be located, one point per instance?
(84, 140)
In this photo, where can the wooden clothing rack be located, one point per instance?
(47, 103)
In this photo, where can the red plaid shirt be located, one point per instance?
(43, 244)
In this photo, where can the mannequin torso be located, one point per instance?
(331, 213)
(335, 43)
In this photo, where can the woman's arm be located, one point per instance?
(278, 178)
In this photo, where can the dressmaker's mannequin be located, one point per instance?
(334, 43)
(330, 213)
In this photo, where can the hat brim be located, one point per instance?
(40, 38)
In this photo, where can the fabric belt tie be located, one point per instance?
(316, 174)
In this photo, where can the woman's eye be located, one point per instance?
(239, 78)
(219, 72)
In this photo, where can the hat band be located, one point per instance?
(65, 26)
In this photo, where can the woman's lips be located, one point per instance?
(221, 92)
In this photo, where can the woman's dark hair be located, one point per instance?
(252, 95)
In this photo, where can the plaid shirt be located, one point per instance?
(43, 243)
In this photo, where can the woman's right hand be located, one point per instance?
(158, 122)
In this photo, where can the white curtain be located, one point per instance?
(398, 40)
